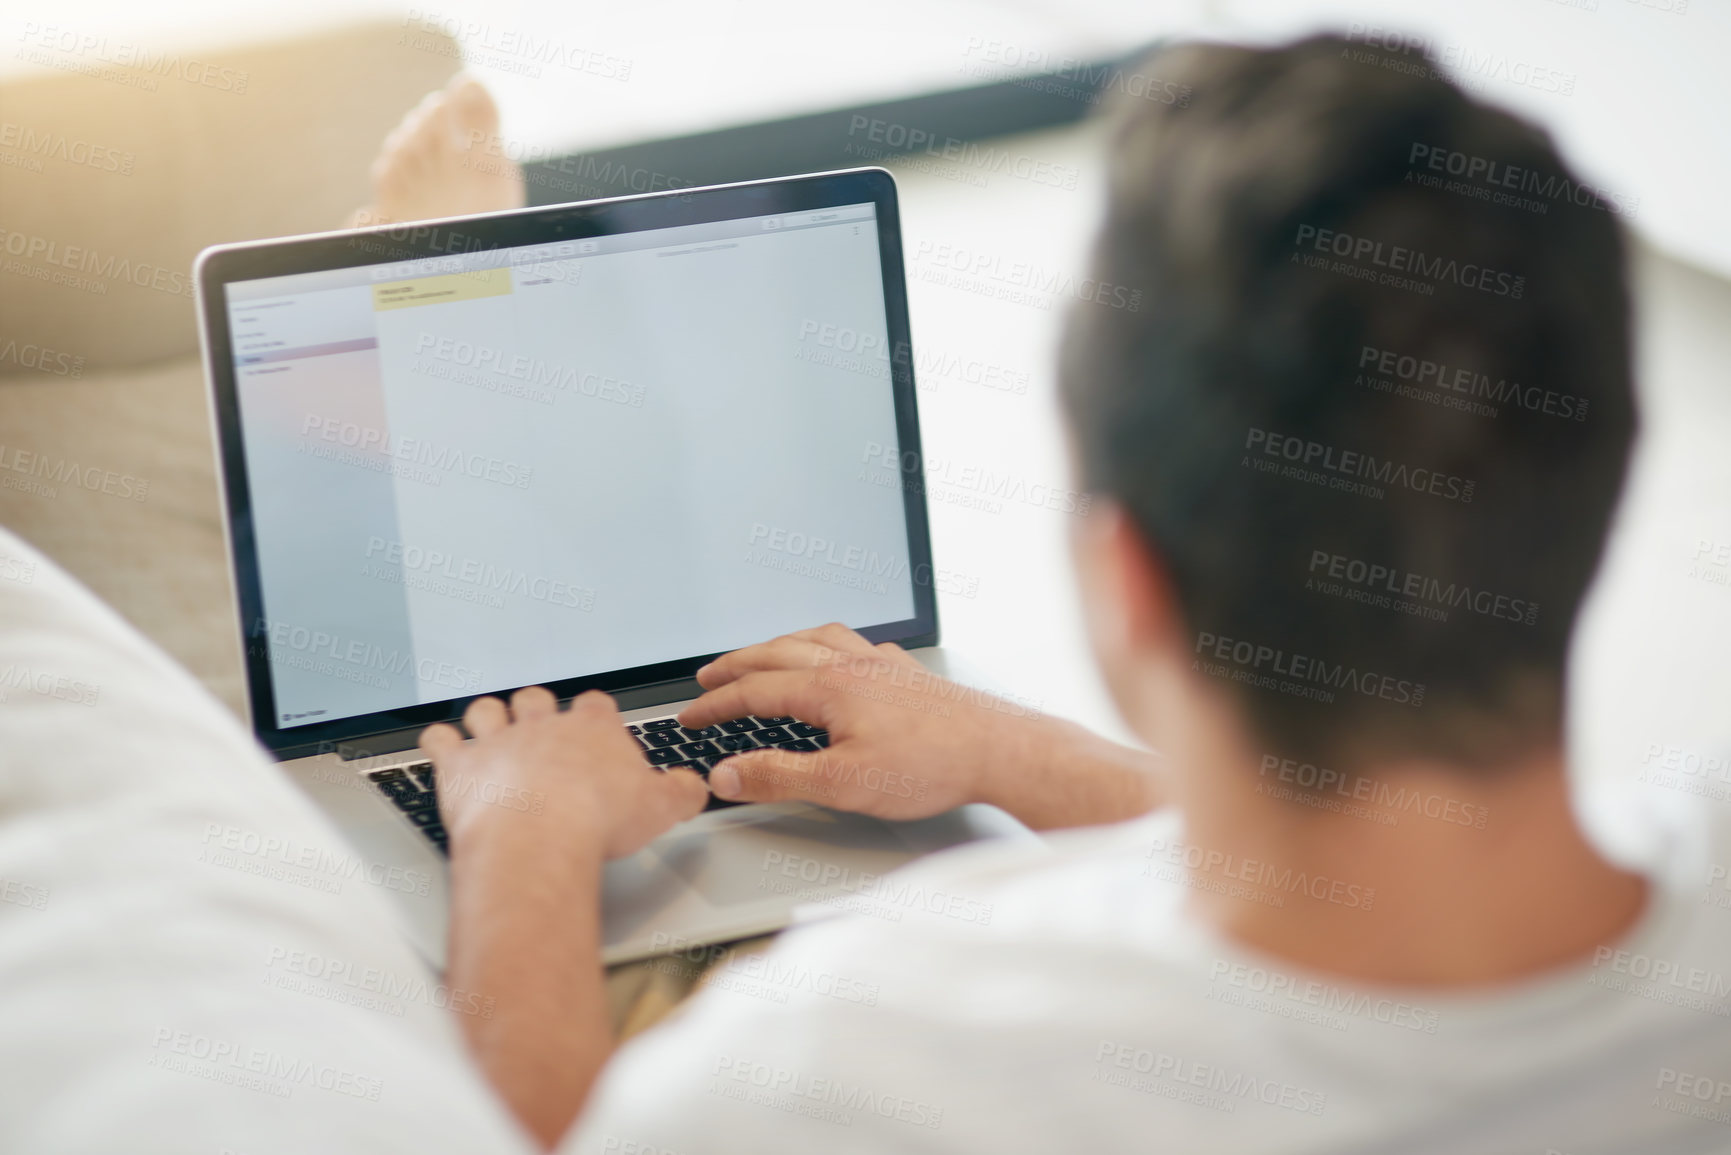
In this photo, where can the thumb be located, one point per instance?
(685, 793)
(771, 776)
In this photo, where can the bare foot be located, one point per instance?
(445, 159)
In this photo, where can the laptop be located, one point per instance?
(586, 446)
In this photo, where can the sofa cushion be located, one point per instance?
(117, 166)
(113, 476)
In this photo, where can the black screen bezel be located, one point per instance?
(586, 219)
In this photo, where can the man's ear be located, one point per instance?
(1132, 604)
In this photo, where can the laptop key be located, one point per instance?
(804, 730)
(661, 724)
(382, 776)
(801, 744)
(699, 735)
(419, 800)
(772, 736)
(734, 743)
(396, 788)
(699, 750)
(634, 729)
(665, 756)
(665, 737)
(779, 721)
(424, 817)
(422, 772)
(739, 726)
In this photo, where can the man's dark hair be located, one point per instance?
(1373, 408)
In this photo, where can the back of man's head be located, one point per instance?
(1373, 408)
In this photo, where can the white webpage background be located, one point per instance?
(653, 508)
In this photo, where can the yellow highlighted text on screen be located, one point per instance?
(438, 290)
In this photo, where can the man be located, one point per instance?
(1361, 915)
(1354, 459)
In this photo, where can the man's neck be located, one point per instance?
(1410, 873)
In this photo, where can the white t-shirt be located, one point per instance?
(1009, 999)
(190, 961)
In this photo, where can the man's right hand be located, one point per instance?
(905, 743)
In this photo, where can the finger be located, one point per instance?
(772, 776)
(533, 702)
(441, 741)
(783, 653)
(595, 704)
(894, 654)
(837, 637)
(766, 692)
(485, 716)
(685, 795)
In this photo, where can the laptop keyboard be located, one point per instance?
(666, 745)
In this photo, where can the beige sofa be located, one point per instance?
(114, 173)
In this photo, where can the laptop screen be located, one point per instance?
(529, 463)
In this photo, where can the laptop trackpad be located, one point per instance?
(768, 852)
